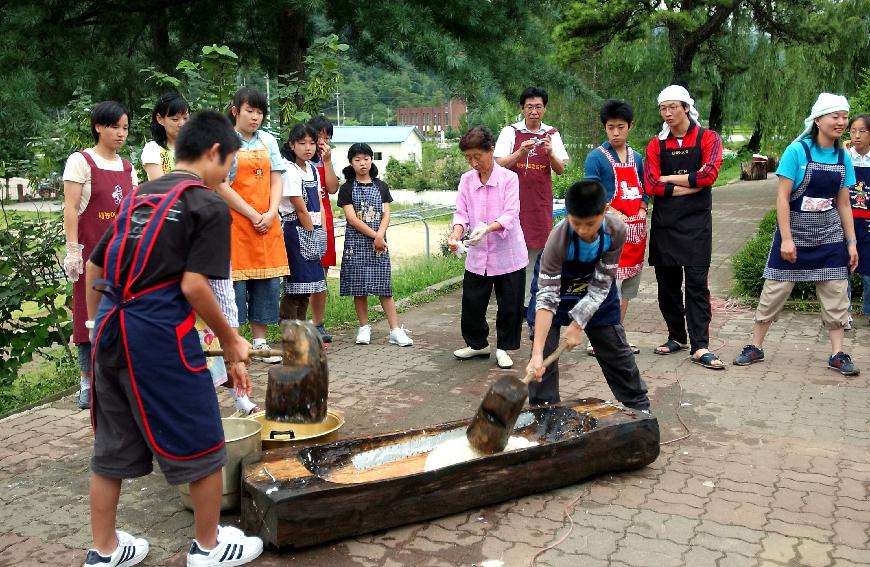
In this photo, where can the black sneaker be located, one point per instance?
(324, 334)
(750, 355)
(842, 363)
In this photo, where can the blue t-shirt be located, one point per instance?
(588, 251)
(597, 167)
(793, 164)
(256, 142)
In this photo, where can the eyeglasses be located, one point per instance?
(534, 107)
(858, 132)
(669, 108)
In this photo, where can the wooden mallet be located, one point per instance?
(491, 427)
(297, 390)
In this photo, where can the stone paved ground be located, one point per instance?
(776, 471)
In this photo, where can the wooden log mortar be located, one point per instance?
(296, 496)
(297, 390)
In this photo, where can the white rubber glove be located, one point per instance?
(73, 264)
(477, 234)
(460, 247)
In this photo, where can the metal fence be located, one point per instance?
(422, 214)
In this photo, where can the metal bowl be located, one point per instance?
(276, 434)
(242, 439)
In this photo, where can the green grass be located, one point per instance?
(42, 378)
(31, 215)
(729, 172)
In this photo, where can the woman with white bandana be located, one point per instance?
(682, 163)
(815, 237)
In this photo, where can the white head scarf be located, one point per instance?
(825, 104)
(676, 92)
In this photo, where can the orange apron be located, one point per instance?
(255, 256)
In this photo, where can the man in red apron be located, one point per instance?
(620, 169)
(682, 163)
(152, 394)
(533, 150)
(328, 186)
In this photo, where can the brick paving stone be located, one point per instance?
(860, 555)
(802, 518)
(662, 526)
(736, 560)
(799, 530)
(725, 545)
(779, 548)
(697, 555)
(851, 533)
(638, 550)
(814, 554)
(558, 558)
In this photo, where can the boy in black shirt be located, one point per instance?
(152, 396)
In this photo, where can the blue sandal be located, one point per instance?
(706, 360)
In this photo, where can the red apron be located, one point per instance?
(628, 200)
(326, 219)
(107, 190)
(536, 189)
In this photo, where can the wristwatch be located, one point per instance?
(851, 241)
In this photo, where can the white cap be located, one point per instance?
(679, 93)
(825, 104)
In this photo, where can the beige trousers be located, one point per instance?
(831, 294)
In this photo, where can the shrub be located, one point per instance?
(33, 298)
(400, 174)
(573, 172)
(749, 265)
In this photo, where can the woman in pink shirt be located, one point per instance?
(488, 209)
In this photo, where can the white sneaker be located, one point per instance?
(130, 551)
(503, 359)
(233, 548)
(468, 352)
(266, 359)
(364, 335)
(399, 336)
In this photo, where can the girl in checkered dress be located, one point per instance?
(365, 264)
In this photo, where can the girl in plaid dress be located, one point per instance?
(365, 264)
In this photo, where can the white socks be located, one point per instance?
(84, 383)
(258, 342)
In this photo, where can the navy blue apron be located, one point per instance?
(681, 230)
(305, 248)
(168, 372)
(576, 276)
(815, 227)
(859, 196)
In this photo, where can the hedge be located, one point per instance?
(750, 261)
